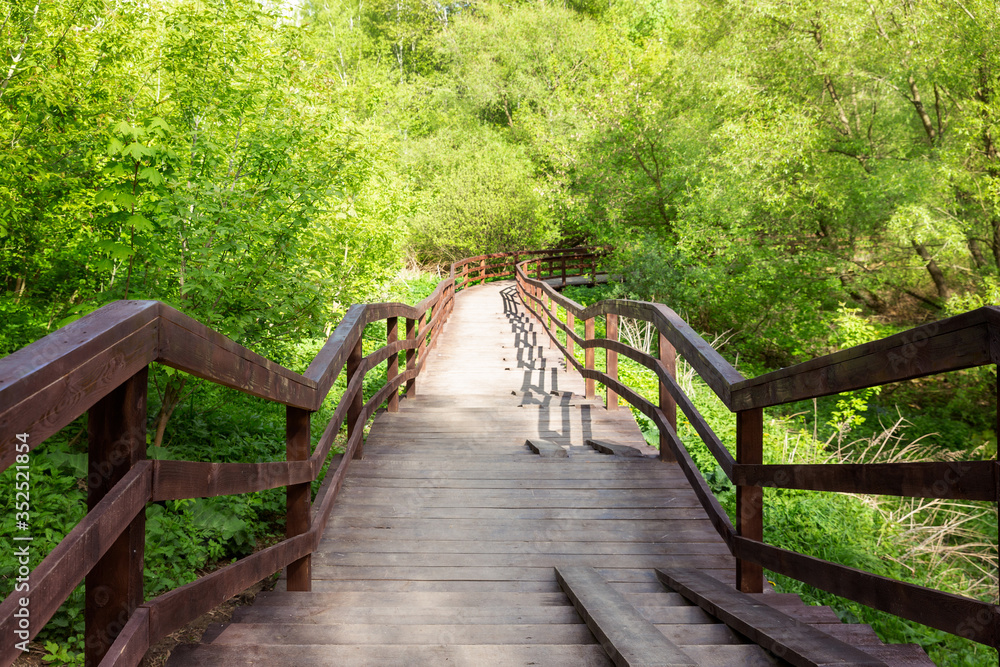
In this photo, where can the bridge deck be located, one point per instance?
(443, 542)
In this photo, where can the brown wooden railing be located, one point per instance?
(98, 365)
(968, 340)
(560, 263)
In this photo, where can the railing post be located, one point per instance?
(392, 363)
(571, 325)
(611, 360)
(750, 499)
(482, 270)
(538, 269)
(549, 307)
(588, 356)
(116, 429)
(668, 358)
(297, 496)
(564, 270)
(357, 404)
(411, 357)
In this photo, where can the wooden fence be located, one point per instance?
(968, 340)
(98, 365)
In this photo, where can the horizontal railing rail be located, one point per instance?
(955, 343)
(562, 263)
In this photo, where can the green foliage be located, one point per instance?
(479, 198)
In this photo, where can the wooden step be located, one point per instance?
(789, 638)
(628, 638)
(212, 655)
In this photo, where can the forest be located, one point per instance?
(791, 177)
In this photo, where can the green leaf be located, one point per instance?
(139, 223)
(114, 249)
(152, 175)
(137, 150)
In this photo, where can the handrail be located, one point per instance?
(955, 343)
(98, 364)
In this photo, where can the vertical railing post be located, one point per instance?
(571, 325)
(514, 268)
(588, 356)
(297, 496)
(482, 270)
(411, 357)
(116, 429)
(750, 499)
(357, 404)
(550, 306)
(611, 360)
(563, 270)
(668, 358)
(538, 269)
(392, 363)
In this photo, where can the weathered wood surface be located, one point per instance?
(629, 639)
(788, 637)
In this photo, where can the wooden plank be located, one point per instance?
(966, 480)
(197, 479)
(356, 544)
(946, 345)
(180, 606)
(131, 644)
(786, 637)
(76, 381)
(626, 636)
(324, 562)
(346, 632)
(366, 656)
(544, 448)
(190, 346)
(405, 615)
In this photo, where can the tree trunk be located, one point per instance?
(943, 289)
(171, 398)
(976, 252)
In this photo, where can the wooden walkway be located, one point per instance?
(444, 542)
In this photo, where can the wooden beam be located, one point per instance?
(611, 360)
(788, 638)
(392, 365)
(627, 637)
(750, 499)
(297, 496)
(116, 431)
(668, 405)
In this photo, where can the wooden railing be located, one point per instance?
(968, 340)
(561, 263)
(99, 364)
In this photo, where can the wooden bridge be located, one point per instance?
(499, 513)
